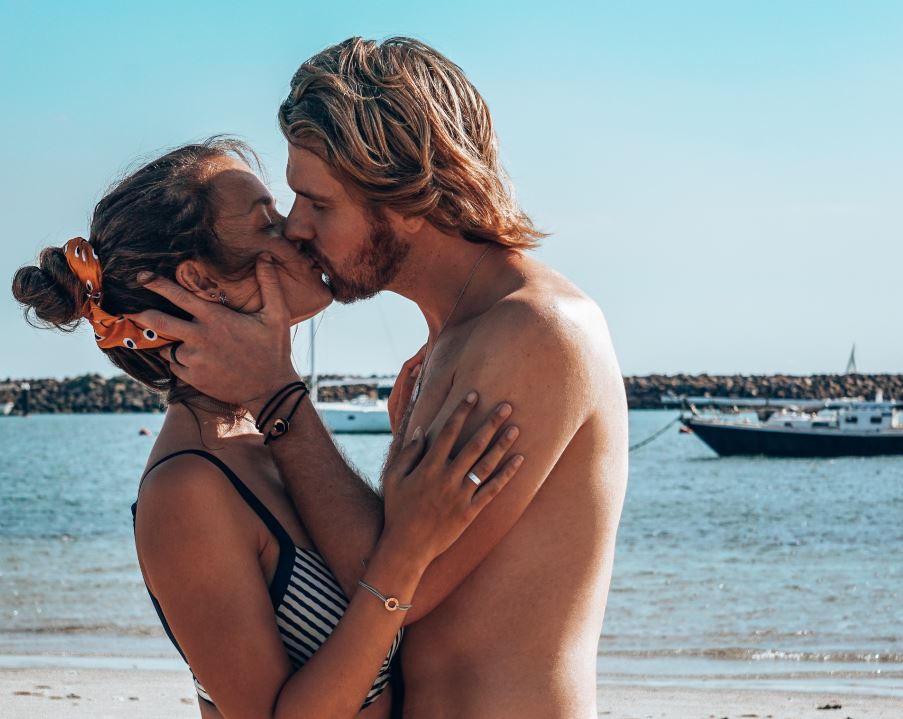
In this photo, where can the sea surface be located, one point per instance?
(737, 571)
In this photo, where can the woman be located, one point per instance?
(235, 579)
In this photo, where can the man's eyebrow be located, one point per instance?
(309, 195)
(304, 193)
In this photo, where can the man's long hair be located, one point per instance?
(404, 128)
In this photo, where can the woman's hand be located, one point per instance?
(400, 398)
(430, 499)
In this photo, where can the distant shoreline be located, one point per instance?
(94, 393)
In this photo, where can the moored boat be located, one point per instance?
(362, 415)
(790, 428)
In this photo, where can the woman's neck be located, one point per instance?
(206, 420)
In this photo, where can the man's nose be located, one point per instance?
(297, 227)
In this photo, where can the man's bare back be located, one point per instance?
(518, 638)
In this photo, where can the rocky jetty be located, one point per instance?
(94, 393)
(646, 392)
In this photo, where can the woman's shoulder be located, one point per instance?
(187, 475)
(187, 503)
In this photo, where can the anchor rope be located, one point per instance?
(654, 436)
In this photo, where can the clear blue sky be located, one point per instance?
(724, 178)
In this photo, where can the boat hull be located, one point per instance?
(347, 418)
(728, 440)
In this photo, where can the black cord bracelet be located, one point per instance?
(281, 425)
(273, 403)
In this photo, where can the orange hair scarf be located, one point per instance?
(109, 330)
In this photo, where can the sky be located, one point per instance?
(725, 179)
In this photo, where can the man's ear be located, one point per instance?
(406, 224)
(414, 224)
(193, 276)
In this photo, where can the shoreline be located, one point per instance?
(658, 671)
(36, 693)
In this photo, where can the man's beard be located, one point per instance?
(374, 266)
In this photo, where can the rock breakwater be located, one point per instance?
(94, 393)
(646, 392)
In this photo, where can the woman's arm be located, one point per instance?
(200, 557)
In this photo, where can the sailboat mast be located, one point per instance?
(851, 363)
(313, 363)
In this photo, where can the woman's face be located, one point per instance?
(248, 224)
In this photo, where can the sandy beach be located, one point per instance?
(152, 694)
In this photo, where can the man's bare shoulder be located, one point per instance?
(548, 314)
(546, 334)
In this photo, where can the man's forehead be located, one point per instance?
(305, 169)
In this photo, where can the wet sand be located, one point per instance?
(39, 693)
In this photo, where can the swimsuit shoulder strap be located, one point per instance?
(246, 494)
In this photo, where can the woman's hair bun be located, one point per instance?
(49, 292)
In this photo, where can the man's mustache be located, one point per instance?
(310, 254)
(317, 260)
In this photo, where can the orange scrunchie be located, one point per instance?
(109, 330)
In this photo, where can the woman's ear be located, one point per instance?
(193, 276)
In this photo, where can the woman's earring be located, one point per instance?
(222, 298)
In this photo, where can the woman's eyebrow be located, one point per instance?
(262, 200)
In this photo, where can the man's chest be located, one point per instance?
(430, 403)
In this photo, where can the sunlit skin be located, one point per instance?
(209, 559)
(530, 342)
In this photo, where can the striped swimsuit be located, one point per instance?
(307, 600)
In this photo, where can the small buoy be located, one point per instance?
(144, 432)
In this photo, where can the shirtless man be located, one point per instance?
(392, 160)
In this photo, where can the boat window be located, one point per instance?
(820, 424)
(788, 424)
(852, 420)
(876, 419)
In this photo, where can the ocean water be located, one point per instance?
(736, 571)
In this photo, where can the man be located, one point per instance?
(392, 159)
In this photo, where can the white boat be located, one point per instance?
(6, 408)
(362, 415)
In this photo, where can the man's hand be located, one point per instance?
(234, 357)
(400, 398)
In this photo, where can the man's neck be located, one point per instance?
(440, 273)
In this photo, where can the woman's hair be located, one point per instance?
(405, 128)
(156, 218)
